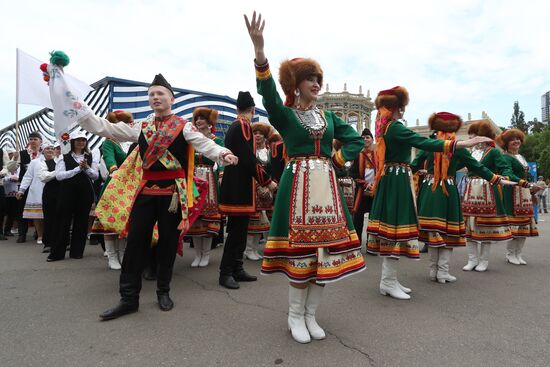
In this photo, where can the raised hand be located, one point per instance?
(256, 33)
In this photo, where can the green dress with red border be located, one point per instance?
(518, 202)
(312, 235)
(393, 224)
(440, 215)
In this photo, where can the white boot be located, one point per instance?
(314, 295)
(520, 242)
(388, 283)
(197, 246)
(403, 288)
(473, 256)
(121, 242)
(249, 252)
(256, 245)
(511, 248)
(296, 314)
(443, 275)
(484, 257)
(111, 254)
(205, 251)
(433, 252)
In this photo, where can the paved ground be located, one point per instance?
(49, 316)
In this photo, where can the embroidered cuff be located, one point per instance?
(338, 159)
(262, 71)
(449, 146)
(113, 168)
(495, 180)
(523, 183)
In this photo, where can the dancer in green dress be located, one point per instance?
(393, 224)
(311, 240)
(518, 202)
(440, 217)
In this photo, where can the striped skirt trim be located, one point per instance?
(436, 239)
(396, 249)
(322, 267)
(389, 232)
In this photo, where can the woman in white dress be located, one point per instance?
(33, 204)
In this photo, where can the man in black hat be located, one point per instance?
(22, 159)
(363, 171)
(238, 192)
(164, 140)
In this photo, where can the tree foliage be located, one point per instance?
(536, 149)
(536, 126)
(518, 119)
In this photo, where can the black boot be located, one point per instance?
(240, 275)
(149, 273)
(130, 285)
(164, 276)
(21, 239)
(228, 282)
(2, 237)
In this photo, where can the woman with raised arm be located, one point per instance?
(311, 240)
(518, 202)
(393, 224)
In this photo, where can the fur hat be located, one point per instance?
(507, 135)
(292, 72)
(392, 99)
(445, 122)
(208, 113)
(274, 137)
(482, 128)
(120, 116)
(262, 127)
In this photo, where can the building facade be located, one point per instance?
(355, 109)
(545, 107)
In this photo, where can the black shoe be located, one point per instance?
(165, 302)
(77, 257)
(51, 259)
(46, 250)
(121, 309)
(243, 276)
(8, 233)
(3, 238)
(21, 239)
(149, 274)
(229, 282)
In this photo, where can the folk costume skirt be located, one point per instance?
(440, 215)
(484, 213)
(393, 225)
(312, 235)
(518, 203)
(209, 221)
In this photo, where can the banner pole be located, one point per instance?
(17, 143)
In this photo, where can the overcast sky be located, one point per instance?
(458, 56)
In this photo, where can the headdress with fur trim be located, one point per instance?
(393, 99)
(262, 127)
(292, 72)
(209, 114)
(274, 137)
(445, 121)
(120, 116)
(508, 135)
(482, 128)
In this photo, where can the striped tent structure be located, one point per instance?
(111, 94)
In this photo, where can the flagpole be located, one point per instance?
(17, 144)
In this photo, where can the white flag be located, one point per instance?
(32, 89)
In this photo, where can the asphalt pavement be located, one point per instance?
(49, 315)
